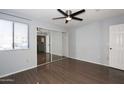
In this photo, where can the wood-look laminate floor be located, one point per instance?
(67, 71)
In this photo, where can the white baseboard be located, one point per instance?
(5, 75)
(97, 63)
(90, 62)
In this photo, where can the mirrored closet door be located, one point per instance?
(43, 47)
(51, 46)
(57, 45)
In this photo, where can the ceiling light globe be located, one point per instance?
(68, 18)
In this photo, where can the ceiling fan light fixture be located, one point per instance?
(68, 15)
(68, 18)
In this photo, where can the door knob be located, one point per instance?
(110, 48)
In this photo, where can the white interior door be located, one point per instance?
(116, 49)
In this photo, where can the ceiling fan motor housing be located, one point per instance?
(68, 12)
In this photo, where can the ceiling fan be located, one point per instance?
(68, 15)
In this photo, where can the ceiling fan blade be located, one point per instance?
(59, 18)
(62, 12)
(76, 18)
(66, 21)
(77, 13)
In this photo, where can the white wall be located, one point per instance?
(18, 60)
(65, 44)
(91, 41)
(86, 42)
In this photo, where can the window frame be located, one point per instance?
(13, 31)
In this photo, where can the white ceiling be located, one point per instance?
(46, 15)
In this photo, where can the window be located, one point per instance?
(20, 36)
(13, 35)
(6, 32)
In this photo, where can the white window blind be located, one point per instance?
(6, 32)
(20, 36)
